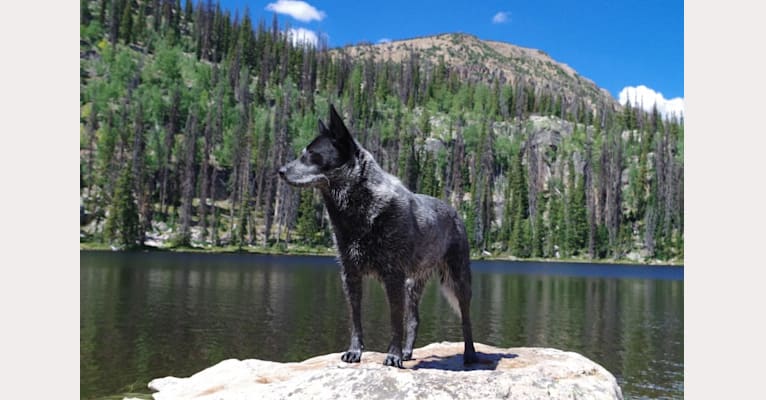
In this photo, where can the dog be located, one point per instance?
(381, 228)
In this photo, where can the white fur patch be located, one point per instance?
(451, 299)
(353, 250)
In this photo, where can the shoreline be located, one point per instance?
(301, 251)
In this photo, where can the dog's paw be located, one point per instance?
(352, 356)
(407, 355)
(392, 360)
(470, 358)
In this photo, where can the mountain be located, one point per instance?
(186, 112)
(487, 61)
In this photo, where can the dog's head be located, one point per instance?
(331, 149)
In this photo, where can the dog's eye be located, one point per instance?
(315, 158)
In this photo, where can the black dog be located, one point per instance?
(383, 229)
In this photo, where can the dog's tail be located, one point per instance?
(448, 291)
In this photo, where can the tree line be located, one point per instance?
(187, 111)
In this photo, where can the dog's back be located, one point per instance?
(395, 229)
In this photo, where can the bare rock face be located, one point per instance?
(436, 373)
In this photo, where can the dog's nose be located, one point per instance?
(282, 171)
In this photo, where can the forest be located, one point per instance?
(188, 110)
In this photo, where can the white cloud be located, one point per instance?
(297, 9)
(501, 17)
(645, 97)
(303, 36)
(384, 40)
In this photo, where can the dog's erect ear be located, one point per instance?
(340, 134)
(337, 127)
(322, 129)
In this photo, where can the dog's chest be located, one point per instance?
(377, 248)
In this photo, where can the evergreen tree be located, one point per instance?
(308, 222)
(538, 228)
(558, 224)
(188, 10)
(602, 242)
(102, 7)
(429, 185)
(140, 26)
(505, 226)
(126, 22)
(521, 245)
(424, 125)
(122, 224)
(188, 185)
(519, 196)
(85, 15)
(577, 209)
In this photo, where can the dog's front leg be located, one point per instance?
(413, 290)
(352, 284)
(395, 292)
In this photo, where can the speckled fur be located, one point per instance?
(382, 229)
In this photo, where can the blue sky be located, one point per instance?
(617, 44)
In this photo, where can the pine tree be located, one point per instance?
(140, 26)
(506, 224)
(122, 224)
(424, 125)
(555, 227)
(188, 185)
(103, 5)
(85, 15)
(188, 10)
(538, 228)
(520, 239)
(519, 201)
(308, 223)
(576, 207)
(428, 183)
(602, 242)
(126, 23)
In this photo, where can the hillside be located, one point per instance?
(485, 60)
(186, 113)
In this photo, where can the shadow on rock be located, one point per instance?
(487, 361)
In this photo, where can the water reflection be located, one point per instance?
(150, 315)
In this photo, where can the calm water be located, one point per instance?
(148, 315)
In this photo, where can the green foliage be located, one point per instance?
(424, 125)
(309, 219)
(122, 226)
(175, 62)
(602, 242)
(577, 227)
(556, 227)
(126, 24)
(91, 32)
(521, 241)
(429, 182)
(538, 228)
(520, 245)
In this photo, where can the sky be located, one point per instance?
(634, 49)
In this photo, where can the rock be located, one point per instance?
(436, 373)
(434, 145)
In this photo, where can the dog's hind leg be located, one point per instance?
(464, 298)
(413, 290)
(352, 283)
(458, 284)
(394, 285)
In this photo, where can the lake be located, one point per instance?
(146, 315)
